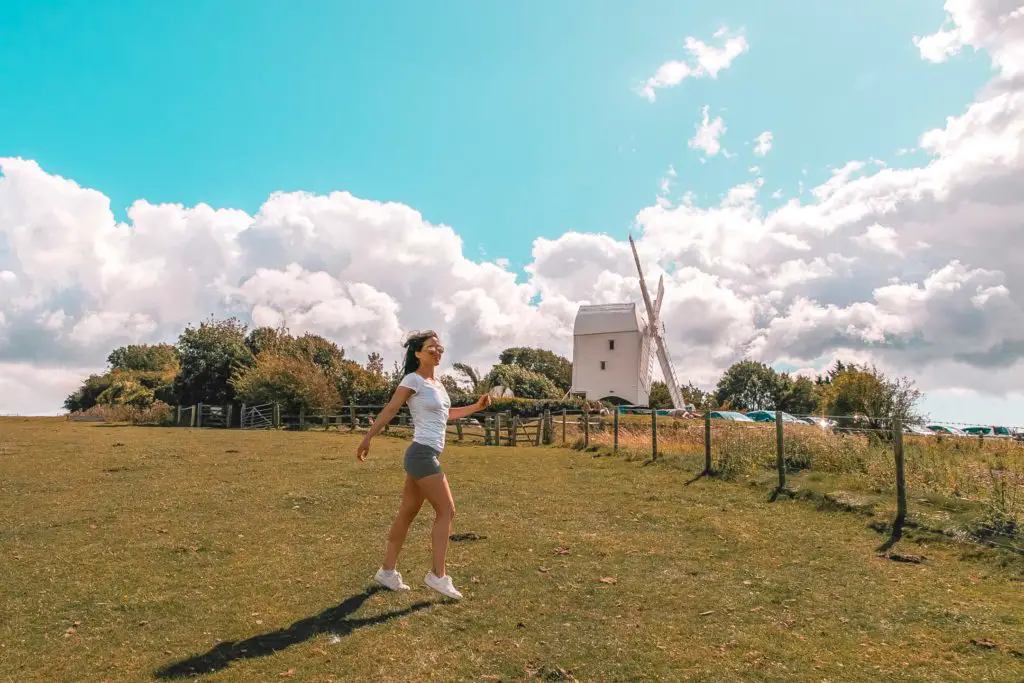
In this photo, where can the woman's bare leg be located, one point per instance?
(412, 500)
(435, 489)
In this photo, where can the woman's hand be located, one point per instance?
(364, 448)
(483, 401)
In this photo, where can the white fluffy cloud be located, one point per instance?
(706, 61)
(915, 268)
(708, 133)
(763, 143)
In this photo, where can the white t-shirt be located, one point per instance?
(429, 407)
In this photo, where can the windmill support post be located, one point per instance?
(654, 434)
(780, 450)
(707, 442)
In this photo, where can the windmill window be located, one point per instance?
(602, 365)
(611, 344)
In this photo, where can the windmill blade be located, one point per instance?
(651, 316)
(658, 299)
(668, 371)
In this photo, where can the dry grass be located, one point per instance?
(983, 479)
(131, 552)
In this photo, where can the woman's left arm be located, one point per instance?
(466, 411)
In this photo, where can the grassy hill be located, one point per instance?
(134, 553)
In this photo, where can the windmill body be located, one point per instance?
(611, 356)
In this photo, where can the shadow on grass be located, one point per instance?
(706, 474)
(121, 425)
(334, 620)
(894, 537)
(780, 492)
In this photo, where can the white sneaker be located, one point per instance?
(442, 585)
(390, 579)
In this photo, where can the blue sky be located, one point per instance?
(506, 120)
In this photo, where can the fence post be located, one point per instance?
(901, 482)
(229, 411)
(565, 415)
(195, 412)
(352, 416)
(277, 415)
(780, 450)
(177, 421)
(241, 417)
(615, 431)
(654, 434)
(707, 442)
(547, 427)
(513, 431)
(458, 428)
(302, 418)
(586, 427)
(199, 415)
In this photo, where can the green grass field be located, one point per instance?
(135, 553)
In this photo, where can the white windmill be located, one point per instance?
(656, 334)
(614, 349)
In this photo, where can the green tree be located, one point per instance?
(451, 385)
(540, 361)
(262, 339)
(659, 398)
(320, 351)
(363, 386)
(138, 375)
(748, 385)
(286, 378)
(144, 358)
(211, 354)
(700, 399)
(691, 393)
(864, 390)
(375, 363)
(797, 396)
(470, 375)
(522, 382)
(87, 395)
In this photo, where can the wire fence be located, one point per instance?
(955, 478)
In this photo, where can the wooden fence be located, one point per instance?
(490, 428)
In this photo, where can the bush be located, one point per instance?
(292, 381)
(158, 413)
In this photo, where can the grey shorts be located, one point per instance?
(421, 460)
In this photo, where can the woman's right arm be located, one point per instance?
(399, 398)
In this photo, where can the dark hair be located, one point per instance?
(413, 344)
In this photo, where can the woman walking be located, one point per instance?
(431, 410)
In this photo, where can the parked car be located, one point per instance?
(946, 429)
(823, 422)
(917, 430)
(769, 416)
(729, 415)
(993, 431)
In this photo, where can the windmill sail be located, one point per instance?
(656, 331)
